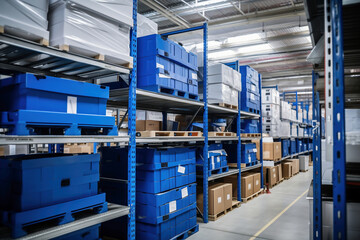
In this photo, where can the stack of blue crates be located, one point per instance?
(292, 146)
(250, 94)
(299, 145)
(39, 187)
(249, 126)
(285, 147)
(32, 104)
(217, 159)
(165, 66)
(248, 153)
(165, 189)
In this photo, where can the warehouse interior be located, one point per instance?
(176, 119)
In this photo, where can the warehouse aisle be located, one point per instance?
(269, 215)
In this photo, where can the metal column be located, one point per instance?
(339, 156)
(261, 140)
(317, 205)
(238, 132)
(132, 129)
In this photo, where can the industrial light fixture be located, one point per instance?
(221, 54)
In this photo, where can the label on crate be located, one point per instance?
(218, 158)
(219, 199)
(257, 182)
(266, 154)
(184, 192)
(254, 150)
(252, 96)
(228, 197)
(172, 206)
(163, 75)
(181, 169)
(71, 104)
(249, 186)
(158, 65)
(249, 158)
(253, 87)
(194, 76)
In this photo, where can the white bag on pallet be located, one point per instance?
(220, 73)
(145, 26)
(25, 18)
(270, 96)
(219, 93)
(93, 27)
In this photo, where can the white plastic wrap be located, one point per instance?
(284, 129)
(271, 110)
(270, 96)
(25, 18)
(270, 120)
(145, 26)
(300, 116)
(219, 93)
(91, 28)
(220, 73)
(293, 132)
(234, 97)
(285, 109)
(237, 80)
(301, 132)
(272, 129)
(293, 115)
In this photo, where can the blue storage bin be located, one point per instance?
(249, 74)
(285, 147)
(292, 146)
(217, 157)
(89, 233)
(30, 92)
(310, 146)
(250, 102)
(248, 153)
(34, 181)
(169, 228)
(249, 126)
(299, 146)
(156, 45)
(156, 208)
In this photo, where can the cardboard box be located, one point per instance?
(287, 169)
(216, 199)
(295, 165)
(257, 182)
(233, 180)
(227, 195)
(79, 148)
(303, 163)
(271, 150)
(279, 176)
(247, 188)
(148, 125)
(257, 142)
(149, 115)
(270, 175)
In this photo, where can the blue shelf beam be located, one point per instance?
(317, 205)
(132, 129)
(338, 96)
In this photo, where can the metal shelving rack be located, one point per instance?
(57, 63)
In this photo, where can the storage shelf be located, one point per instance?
(152, 101)
(144, 140)
(53, 139)
(26, 56)
(251, 167)
(231, 171)
(249, 115)
(114, 211)
(249, 138)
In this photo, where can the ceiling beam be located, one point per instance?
(169, 15)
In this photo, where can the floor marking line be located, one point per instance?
(277, 216)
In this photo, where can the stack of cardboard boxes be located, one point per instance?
(290, 168)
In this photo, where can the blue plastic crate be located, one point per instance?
(157, 208)
(249, 126)
(39, 180)
(250, 102)
(169, 228)
(305, 146)
(285, 147)
(299, 145)
(217, 158)
(51, 94)
(292, 146)
(248, 153)
(249, 74)
(155, 45)
(89, 233)
(310, 146)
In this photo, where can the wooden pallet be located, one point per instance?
(97, 56)
(169, 134)
(277, 183)
(217, 216)
(245, 165)
(249, 135)
(235, 204)
(221, 134)
(226, 105)
(40, 40)
(244, 200)
(304, 170)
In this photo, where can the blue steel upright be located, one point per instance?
(261, 140)
(339, 156)
(238, 132)
(132, 129)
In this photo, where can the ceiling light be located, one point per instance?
(204, 3)
(255, 48)
(221, 54)
(244, 38)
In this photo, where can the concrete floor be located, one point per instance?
(244, 222)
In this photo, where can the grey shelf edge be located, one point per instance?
(51, 139)
(114, 211)
(250, 138)
(231, 171)
(141, 140)
(249, 115)
(251, 167)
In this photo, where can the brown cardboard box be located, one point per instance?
(233, 180)
(148, 125)
(216, 199)
(270, 175)
(272, 151)
(257, 142)
(2, 151)
(257, 182)
(79, 148)
(295, 165)
(227, 195)
(287, 169)
(279, 176)
(247, 188)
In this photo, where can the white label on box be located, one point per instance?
(181, 169)
(266, 154)
(219, 199)
(158, 65)
(71, 104)
(253, 87)
(254, 150)
(228, 197)
(249, 159)
(212, 162)
(274, 175)
(257, 182)
(252, 96)
(218, 158)
(249, 186)
(184, 192)
(172, 206)
(163, 76)
(194, 76)
(109, 112)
